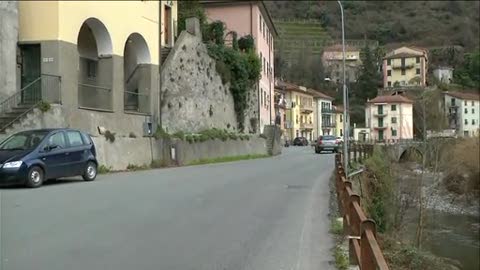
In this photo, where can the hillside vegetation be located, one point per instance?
(424, 23)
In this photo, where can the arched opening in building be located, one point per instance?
(137, 75)
(95, 66)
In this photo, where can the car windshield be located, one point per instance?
(23, 141)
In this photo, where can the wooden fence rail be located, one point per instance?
(364, 250)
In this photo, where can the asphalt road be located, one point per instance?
(266, 214)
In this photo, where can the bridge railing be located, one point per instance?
(359, 151)
(364, 250)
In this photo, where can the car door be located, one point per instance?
(55, 155)
(78, 152)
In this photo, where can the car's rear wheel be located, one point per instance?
(35, 177)
(90, 172)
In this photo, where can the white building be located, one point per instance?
(462, 110)
(443, 74)
(325, 115)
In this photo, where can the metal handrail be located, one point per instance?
(137, 94)
(363, 245)
(133, 73)
(96, 86)
(16, 99)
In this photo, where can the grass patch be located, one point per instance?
(133, 167)
(336, 227)
(341, 258)
(226, 159)
(102, 169)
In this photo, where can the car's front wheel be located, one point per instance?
(90, 171)
(35, 177)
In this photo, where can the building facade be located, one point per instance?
(281, 110)
(325, 115)
(389, 118)
(338, 114)
(300, 111)
(462, 110)
(252, 18)
(443, 74)
(98, 59)
(332, 60)
(405, 67)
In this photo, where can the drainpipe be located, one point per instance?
(160, 64)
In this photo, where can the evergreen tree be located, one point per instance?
(367, 83)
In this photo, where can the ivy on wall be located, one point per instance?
(238, 64)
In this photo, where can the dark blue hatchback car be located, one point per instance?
(31, 157)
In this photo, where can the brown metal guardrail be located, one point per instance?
(364, 250)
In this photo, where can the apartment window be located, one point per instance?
(389, 73)
(473, 110)
(394, 120)
(394, 132)
(260, 22)
(261, 57)
(452, 101)
(466, 121)
(92, 69)
(341, 118)
(264, 29)
(341, 132)
(403, 62)
(389, 62)
(417, 59)
(418, 71)
(394, 108)
(466, 110)
(265, 99)
(264, 66)
(473, 121)
(465, 133)
(389, 84)
(473, 103)
(261, 96)
(465, 103)
(403, 71)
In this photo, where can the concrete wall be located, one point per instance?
(193, 96)
(36, 119)
(274, 142)
(187, 153)
(142, 151)
(8, 47)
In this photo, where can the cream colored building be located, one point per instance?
(405, 67)
(332, 60)
(106, 54)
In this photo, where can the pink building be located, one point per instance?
(252, 18)
(390, 118)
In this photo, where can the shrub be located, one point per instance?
(246, 43)
(133, 167)
(132, 135)
(179, 135)
(44, 106)
(161, 134)
(109, 136)
(102, 169)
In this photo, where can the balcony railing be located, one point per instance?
(331, 124)
(328, 110)
(380, 113)
(400, 66)
(136, 102)
(94, 97)
(306, 107)
(306, 125)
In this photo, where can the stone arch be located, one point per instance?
(408, 151)
(101, 36)
(137, 83)
(95, 75)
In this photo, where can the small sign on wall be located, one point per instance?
(47, 60)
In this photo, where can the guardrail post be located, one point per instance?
(367, 257)
(354, 229)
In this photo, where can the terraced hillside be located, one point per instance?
(298, 35)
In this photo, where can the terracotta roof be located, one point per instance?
(402, 54)
(463, 95)
(390, 99)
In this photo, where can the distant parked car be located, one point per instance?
(339, 140)
(300, 141)
(31, 157)
(327, 143)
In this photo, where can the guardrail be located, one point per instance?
(364, 250)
